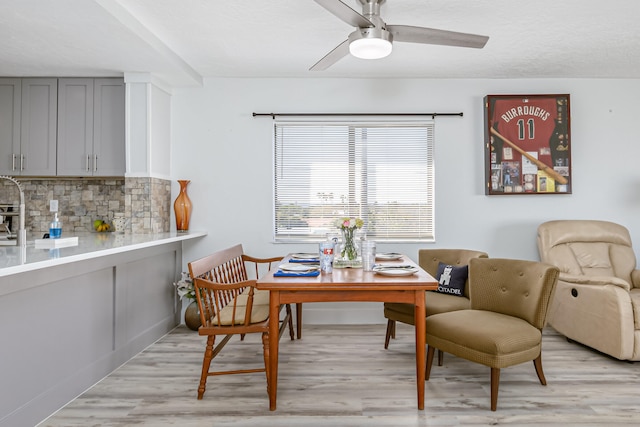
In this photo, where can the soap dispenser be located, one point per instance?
(55, 227)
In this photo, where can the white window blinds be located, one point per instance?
(380, 172)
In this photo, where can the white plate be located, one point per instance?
(298, 267)
(305, 256)
(389, 256)
(396, 271)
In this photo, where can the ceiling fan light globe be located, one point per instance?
(370, 48)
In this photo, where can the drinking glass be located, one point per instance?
(368, 254)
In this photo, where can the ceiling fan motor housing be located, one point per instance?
(371, 42)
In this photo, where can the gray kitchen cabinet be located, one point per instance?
(91, 133)
(108, 127)
(75, 126)
(10, 101)
(33, 130)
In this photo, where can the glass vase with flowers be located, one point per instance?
(349, 255)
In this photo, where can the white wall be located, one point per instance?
(227, 155)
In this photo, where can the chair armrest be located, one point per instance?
(594, 280)
(261, 260)
(635, 278)
(257, 262)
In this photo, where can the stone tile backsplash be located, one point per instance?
(144, 201)
(147, 204)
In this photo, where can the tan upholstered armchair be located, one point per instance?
(597, 299)
(503, 326)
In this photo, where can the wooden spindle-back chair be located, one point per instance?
(229, 304)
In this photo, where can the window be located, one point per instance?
(380, 172)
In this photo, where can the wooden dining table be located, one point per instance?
(348, 284)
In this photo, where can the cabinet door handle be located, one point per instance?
(95, 162)
(21, 162)
(13, 161)
(86, 164)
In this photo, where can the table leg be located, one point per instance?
(274, 341)
(420, 326)
(299, 319)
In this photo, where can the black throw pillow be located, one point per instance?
(451, 279)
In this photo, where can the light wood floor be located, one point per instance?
(342, 376)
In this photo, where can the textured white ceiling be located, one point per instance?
(184, 41)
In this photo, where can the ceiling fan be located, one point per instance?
(373, 38)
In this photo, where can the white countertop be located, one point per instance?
(90, 245)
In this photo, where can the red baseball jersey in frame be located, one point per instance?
(528, 123)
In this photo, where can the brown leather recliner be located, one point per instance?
(597, 299)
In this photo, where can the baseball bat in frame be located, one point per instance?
(549, 171)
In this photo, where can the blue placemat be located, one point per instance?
(310, 260)
(281, 273)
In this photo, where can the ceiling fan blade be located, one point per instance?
(407, 33)
(346, 13)
(332, 57)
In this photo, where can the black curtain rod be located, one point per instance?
(433, 115)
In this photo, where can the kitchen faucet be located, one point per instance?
(22, 232)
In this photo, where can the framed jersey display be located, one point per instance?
(527, 144)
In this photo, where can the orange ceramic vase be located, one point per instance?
(182, 207)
